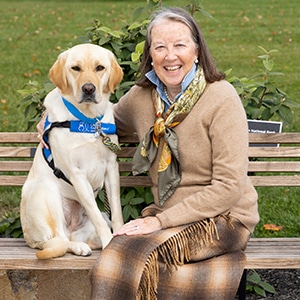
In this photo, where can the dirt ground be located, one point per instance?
(285, 282)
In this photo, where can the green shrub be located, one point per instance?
(261, 98)
(256, 285)
(10, 225)
(127, 45)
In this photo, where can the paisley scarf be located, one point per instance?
(169, 171)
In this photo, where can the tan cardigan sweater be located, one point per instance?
(213, 154)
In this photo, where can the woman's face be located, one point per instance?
(173, 52)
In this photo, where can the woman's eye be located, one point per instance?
(76, 68)
(99, 68)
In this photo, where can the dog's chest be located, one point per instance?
(81, 153)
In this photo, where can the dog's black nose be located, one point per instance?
(88, 88)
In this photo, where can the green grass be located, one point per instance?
(279, 206)
(33, 33)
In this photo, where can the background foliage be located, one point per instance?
(261, 98)
(35, 32)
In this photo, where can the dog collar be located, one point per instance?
(78, 114)
(92, 125)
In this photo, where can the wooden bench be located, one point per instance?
(22, 274)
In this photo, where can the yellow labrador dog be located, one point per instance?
(59, 213)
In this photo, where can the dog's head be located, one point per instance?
(86, 72)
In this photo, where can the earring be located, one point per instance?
(152, 63)
(196, 61)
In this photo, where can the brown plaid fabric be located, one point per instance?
(159, 265)
(212, 279)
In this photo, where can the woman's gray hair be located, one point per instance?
(176, 15)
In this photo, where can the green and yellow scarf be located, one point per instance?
(169, 171)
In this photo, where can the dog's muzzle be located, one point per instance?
(88, 93)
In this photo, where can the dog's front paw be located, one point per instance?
(80, 248)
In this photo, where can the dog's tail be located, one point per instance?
(55, 247)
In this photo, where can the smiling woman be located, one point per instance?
(204, 205)
(34, 32)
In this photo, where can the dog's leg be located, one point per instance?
(42, 218)
(87, 200)
(43, 221)
(87, 234)
(112, 186)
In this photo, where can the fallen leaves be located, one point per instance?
(4, 106)
(30, 74)
(272, 227)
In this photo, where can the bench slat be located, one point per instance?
(125, 181)
(275, 138)
(126, 152)
(16, 152)
(15, 254)
(15, 166)
(255, 138)
(18, 137)
(30, 262)
(129, 181)
(274, 166)
(272, 181)
(270, 152)
(125, 166)
(12, 180)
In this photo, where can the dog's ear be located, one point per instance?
(115, 77)
(57, 73)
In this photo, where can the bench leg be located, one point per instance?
(242, 286)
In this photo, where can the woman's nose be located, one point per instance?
(171, 54)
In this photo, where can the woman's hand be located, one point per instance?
(40, 129)
(140, 226)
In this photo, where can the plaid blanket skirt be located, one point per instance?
(202, 261)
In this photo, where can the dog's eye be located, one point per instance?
(99, 68)
(76, 68)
